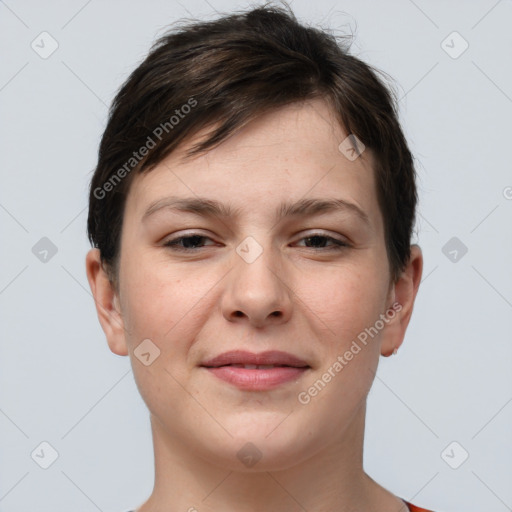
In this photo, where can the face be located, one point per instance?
(273, 268)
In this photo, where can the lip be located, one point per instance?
(274, 357)
(292, 368)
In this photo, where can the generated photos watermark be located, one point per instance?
(143, 151)
(305, 397)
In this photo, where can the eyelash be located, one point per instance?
(338, 244)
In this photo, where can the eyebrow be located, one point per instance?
(212, 208)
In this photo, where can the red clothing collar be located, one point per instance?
(414, 508)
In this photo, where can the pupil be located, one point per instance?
(316, 238)
(191, 241)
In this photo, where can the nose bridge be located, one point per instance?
(256, 291)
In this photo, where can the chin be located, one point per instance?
(263, 445)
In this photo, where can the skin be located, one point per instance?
(300, 296)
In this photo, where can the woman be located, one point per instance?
(251, 215)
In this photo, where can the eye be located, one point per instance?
(195, 241)
(186, 243)
(318, 239)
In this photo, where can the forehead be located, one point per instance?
(288, 154)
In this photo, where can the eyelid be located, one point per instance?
(173, 242)
(338, 243)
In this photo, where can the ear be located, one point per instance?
(107, 303)
(402, 294)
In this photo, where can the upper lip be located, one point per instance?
(272, 357)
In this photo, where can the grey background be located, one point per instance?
(451, 379)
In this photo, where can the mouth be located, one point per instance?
(256, 372)
(252, 361)
(257, 366)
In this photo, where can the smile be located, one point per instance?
(252, 377)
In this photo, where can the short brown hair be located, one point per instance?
(226, 72)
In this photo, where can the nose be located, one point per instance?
(257, 291)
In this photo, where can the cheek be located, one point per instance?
(344, 304)
(155, 308)
(345, 299)
(166, 303)
(152, 298)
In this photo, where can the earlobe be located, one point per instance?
(107, 303)
(403, 293)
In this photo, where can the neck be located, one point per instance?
(332, 479)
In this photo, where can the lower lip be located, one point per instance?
(257, 379)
